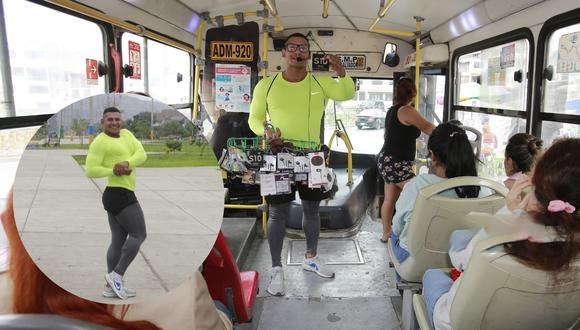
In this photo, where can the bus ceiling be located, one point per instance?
(180, 19)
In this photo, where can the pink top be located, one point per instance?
(515, 176)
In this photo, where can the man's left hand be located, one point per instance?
(336, 65)
(122, 168)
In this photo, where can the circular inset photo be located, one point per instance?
(118, 198)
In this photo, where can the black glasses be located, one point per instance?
(294, 47)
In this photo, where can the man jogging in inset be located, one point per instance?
(115, 154)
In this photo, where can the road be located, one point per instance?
(368, 141)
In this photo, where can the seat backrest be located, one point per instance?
(499, 292)
(435, 217)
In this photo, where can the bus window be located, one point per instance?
(48, 64)
(134, 57)
(496, 131)
(165, 65)
(12, 144)
(363, 116)
(552, 130)
(486, 78)
(491, 89)
(164, 73)
(561, 94)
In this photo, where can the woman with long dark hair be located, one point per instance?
(452, 156)
(403, 125)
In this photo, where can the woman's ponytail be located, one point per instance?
(450, 144)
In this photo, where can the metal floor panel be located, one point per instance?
(335, 252)
(358, 297)
(328, 313)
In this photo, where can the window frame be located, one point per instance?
(550, 26)
(145, 66)
(107, 35)
(514, 35)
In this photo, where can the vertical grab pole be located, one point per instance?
(264, 49)
(8, 109)
(264, 75)
(200, 30)
(417, 57)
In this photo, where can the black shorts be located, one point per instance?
(115, 199)
(305, 193)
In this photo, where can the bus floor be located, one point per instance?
(360, 295)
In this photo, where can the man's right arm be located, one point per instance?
(258, 109)
(94, 164)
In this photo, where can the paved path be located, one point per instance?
(64, 226)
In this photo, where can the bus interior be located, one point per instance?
(499, 67)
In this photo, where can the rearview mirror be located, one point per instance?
(390, 56)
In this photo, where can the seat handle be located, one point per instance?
(462, 181)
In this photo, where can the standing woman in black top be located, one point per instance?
(403, 125)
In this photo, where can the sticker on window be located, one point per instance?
(507, 58)
(569, 53)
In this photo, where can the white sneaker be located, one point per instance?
(314, 265)
(276, 286)
(115, 281)
(109, 293)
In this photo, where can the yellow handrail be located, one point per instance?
(241, 207)
(265, 50)
(346, 141)
(264, 75)
(417, 58)
(395, 32)
(199, 36)
(325, 5)
(254, 207)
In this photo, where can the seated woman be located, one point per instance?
(452, 156)
(25, 289)
(554, 201)
(520, 155)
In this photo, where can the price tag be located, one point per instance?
(256, 158)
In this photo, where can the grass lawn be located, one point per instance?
(189, 157)
(158, 147)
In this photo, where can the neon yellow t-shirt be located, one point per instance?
(106, 151)
(296, 108)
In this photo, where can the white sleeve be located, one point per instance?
(461, 258)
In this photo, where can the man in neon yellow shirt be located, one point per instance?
(295, 102)
(115, 154)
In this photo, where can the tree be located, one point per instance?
(79, 126)
(139, 126)
(172, 128)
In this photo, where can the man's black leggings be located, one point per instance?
(127, 234)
